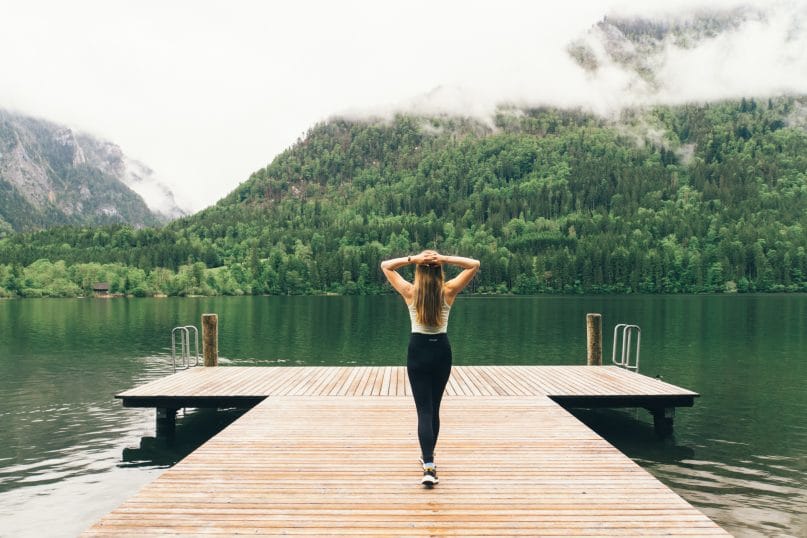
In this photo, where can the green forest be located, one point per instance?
(697, 198)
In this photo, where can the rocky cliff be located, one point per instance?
(51, 175)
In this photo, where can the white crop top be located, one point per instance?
(424, 329)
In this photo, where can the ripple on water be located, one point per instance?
(770, 497)
(65, 441)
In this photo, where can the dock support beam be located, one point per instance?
(663, 420)
(594, 339)
(166, 422)
(210, 339)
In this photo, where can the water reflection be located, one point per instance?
(632, 433)
(193, 429)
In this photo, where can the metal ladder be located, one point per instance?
(184, 347)
(624, 360)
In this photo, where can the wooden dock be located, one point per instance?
(608, 386)
(333, 451)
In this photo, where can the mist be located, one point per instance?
(759, 54)
(205, 95)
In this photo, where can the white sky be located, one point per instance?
(207, 92)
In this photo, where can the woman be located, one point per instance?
(429, 355)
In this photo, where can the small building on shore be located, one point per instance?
(101, 289)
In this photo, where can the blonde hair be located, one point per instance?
(429, 294)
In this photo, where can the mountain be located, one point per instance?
(693, 198)
(51, 175)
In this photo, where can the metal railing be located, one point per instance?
(185, 347)
(623, 341)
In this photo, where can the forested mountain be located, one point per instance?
(695, 198)
(50, 175)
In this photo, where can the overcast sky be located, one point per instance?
(207, 92)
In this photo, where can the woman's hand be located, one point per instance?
(427, 257)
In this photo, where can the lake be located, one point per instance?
(69, 452)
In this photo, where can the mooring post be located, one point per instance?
(594, 339)
(166, 422)
(210, 339)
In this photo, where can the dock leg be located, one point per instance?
(663, 420)
(166, 422)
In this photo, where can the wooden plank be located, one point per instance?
(379, 381)
(570, 381)
(537, 383)
(386, 381)
(310, 376)
(451, 386)
(368, 388)
(349, 382)
(367, 370)
(393, 382)
(403, 381)
(320, 465)
(466, 384)
(484, 388)
(514, 379)
(499, 386)
(319, 383)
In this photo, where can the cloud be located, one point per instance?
(205, 94)
(759, 58)
(643, 55)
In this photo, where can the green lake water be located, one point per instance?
(69, 452)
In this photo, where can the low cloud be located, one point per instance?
(205, 96)
(635, 58)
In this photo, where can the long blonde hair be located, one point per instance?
(429, 294)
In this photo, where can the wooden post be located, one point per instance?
(594, 339)
(166, 422)
(210, 339)
(663, 418)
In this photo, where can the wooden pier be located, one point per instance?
(570, 386)
(333, 451)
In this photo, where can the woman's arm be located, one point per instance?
(395, 263)
(469, 265)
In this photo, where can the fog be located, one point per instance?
(205, 93)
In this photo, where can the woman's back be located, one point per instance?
(418, 327)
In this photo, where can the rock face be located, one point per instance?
(50, 175)
(640, 46)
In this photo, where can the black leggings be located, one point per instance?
(428, 365)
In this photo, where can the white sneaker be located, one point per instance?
(429, 476)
